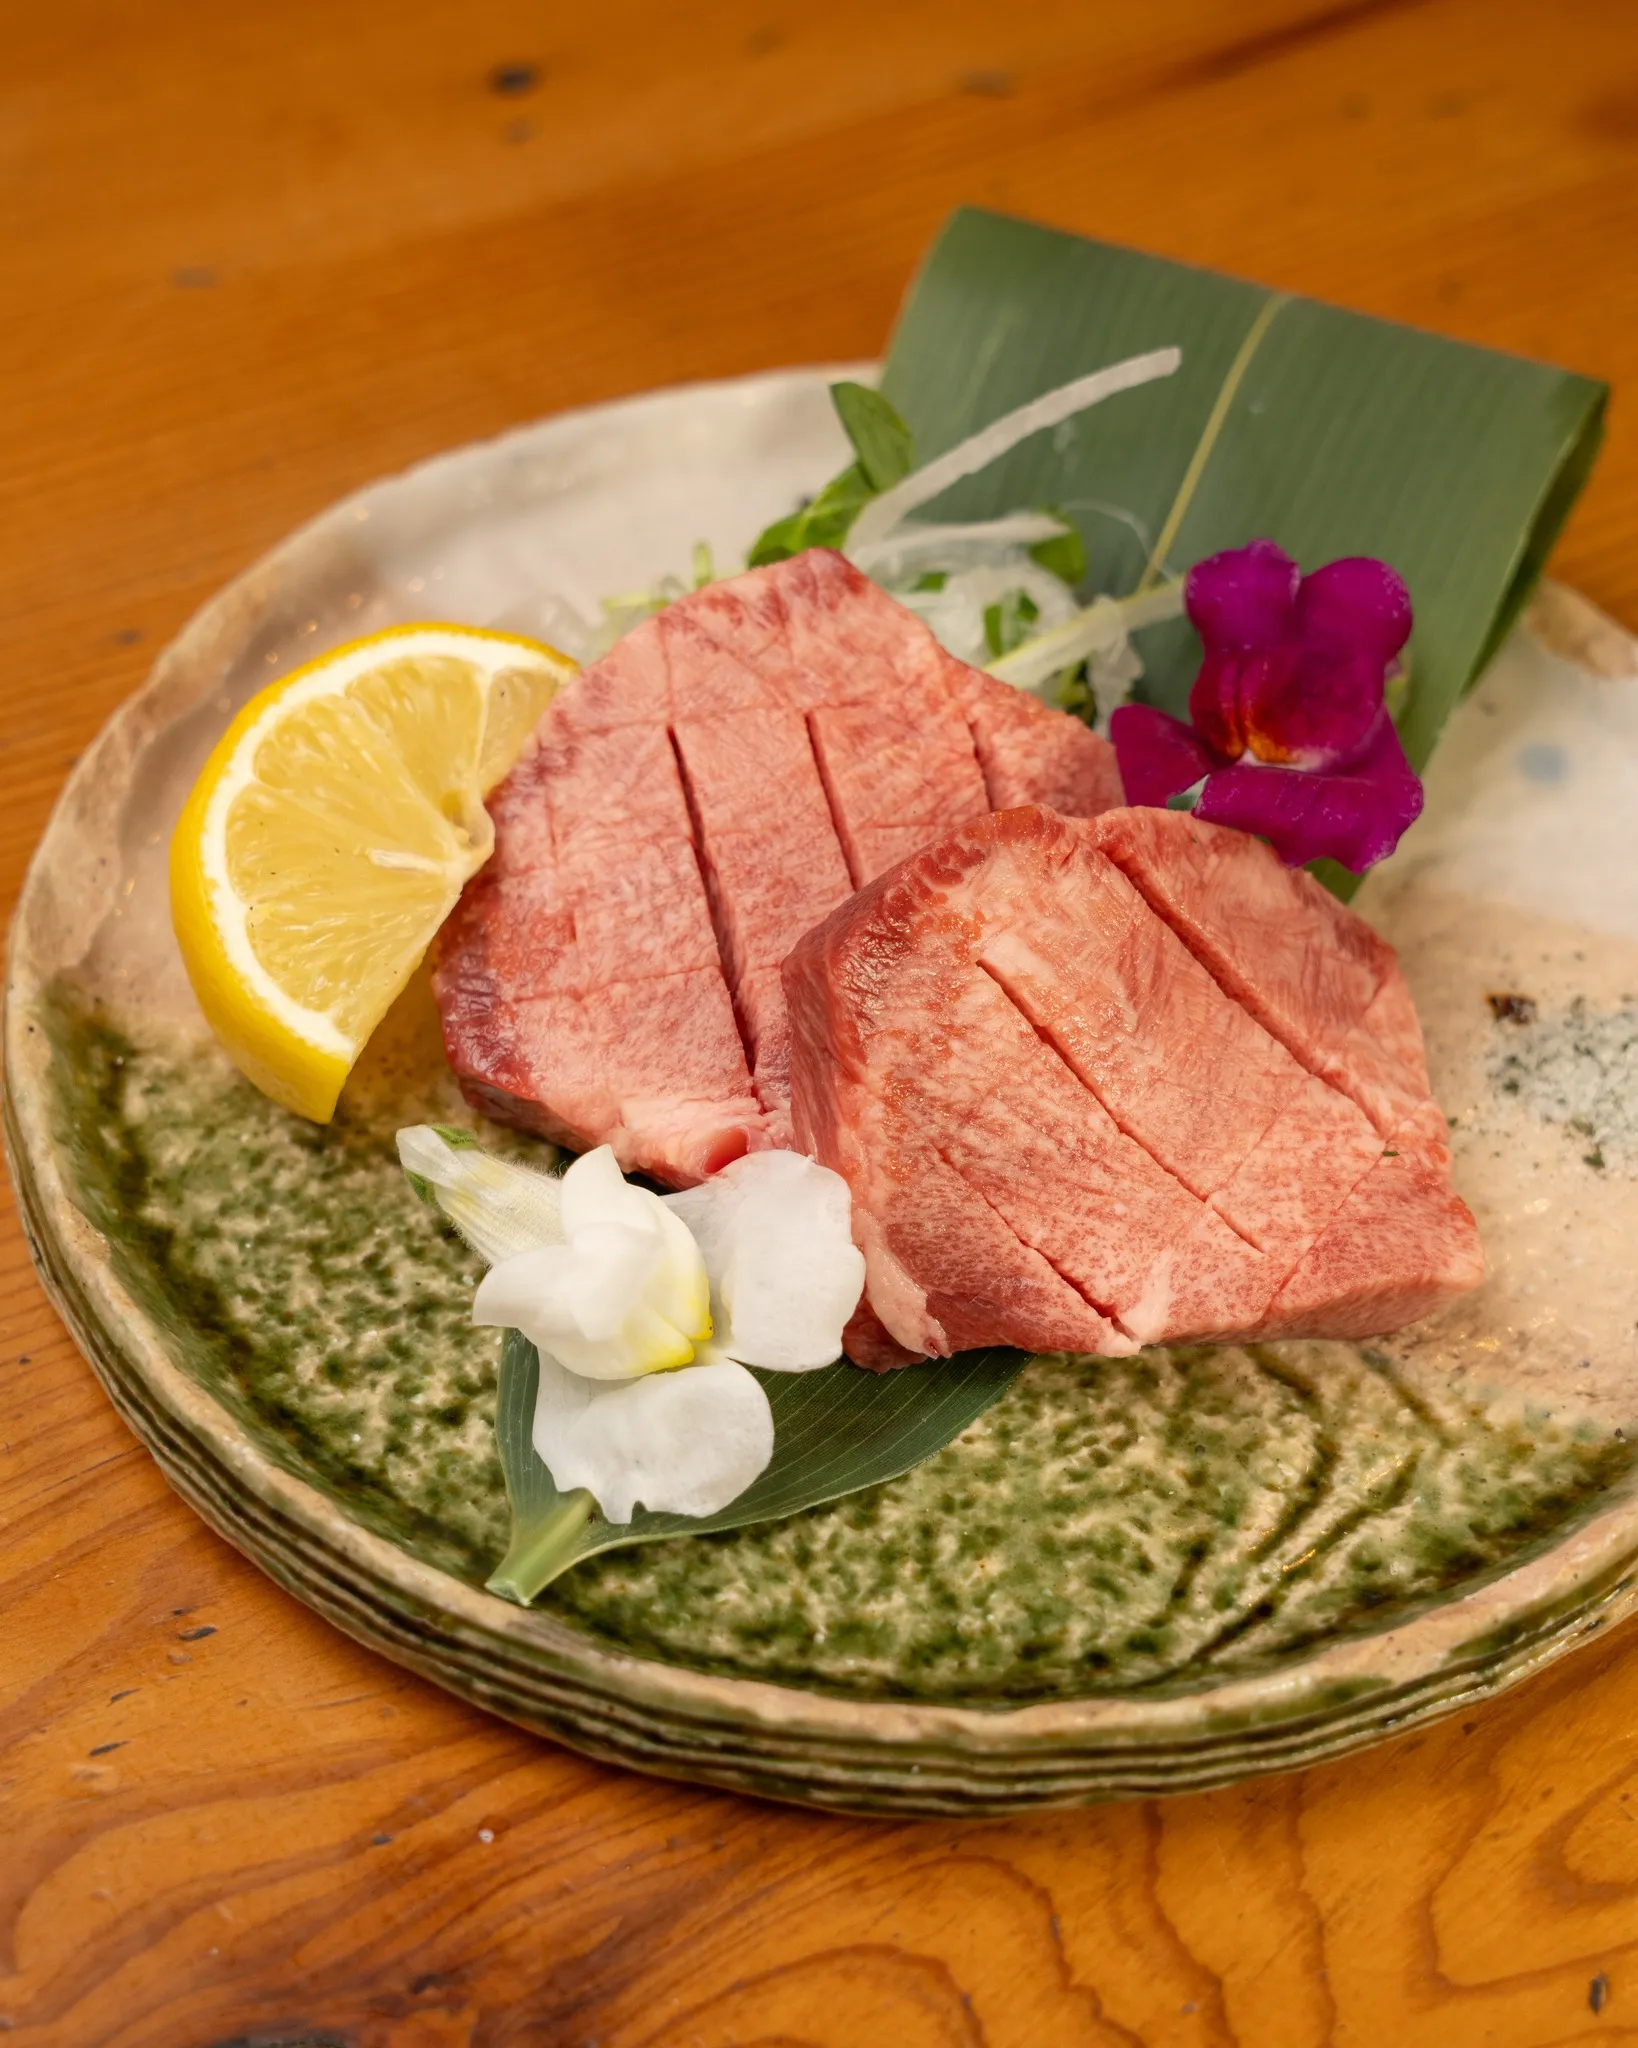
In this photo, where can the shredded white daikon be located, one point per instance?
(979, 450)
(976, 584)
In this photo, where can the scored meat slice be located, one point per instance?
(1322, 982)
(1179, 1125)
(693, 804)
(589, 954)
(896, 778)
(762, 832)
(1032, 755)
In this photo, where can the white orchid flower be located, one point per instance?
(647, 1309)
(677, 1443)
(776, 1232)
(619, 1292)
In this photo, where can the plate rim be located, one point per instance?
(816, 1747)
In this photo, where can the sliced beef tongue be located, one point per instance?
(772, 869)
(1102, 1084)
(1311, 973)
(693, 804)
(579, 979)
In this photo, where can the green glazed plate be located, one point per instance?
(1128, 1577)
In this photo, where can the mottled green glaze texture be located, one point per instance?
(1153, 1523)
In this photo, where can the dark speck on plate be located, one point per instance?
(513, 80)
(1512, 1009)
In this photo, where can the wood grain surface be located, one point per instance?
(254, 255)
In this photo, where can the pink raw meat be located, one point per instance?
(648, 1058)
(691, 805)
(1007, 1020)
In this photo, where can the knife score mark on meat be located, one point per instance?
(693, 804)
(1100, 1084)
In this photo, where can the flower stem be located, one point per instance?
(542, 1549)
(1208, 440)
(1103, 624)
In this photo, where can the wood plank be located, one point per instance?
(255, 257)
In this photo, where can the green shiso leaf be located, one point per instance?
(1326, 431)
(882, 444)
(881, 440)
(822, 523)
(835, 1431)
(1009, 621)
(1064, 556)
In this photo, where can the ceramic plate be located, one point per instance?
(1130, 1576)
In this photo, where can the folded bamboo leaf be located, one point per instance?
(835, 1431)
(1327, 431)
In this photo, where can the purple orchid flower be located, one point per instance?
(1290, 736)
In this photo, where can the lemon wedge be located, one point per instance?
(330, 834)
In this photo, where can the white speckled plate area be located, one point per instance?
(1128, 1577)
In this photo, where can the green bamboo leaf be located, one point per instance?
(1329, 432)
(835, 1431)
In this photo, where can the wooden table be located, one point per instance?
(255, 255)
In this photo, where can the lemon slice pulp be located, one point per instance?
(330, 834)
